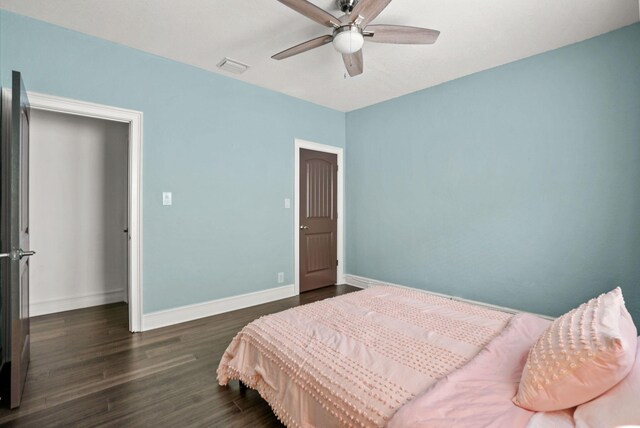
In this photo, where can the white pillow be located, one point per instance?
(557, 419)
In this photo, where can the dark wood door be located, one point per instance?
(318, 219)
(14, 238)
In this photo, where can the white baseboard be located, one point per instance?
(77, 302)
(362, 282)
(214, 307)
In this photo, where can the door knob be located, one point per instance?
(303, 227)
(26, 253)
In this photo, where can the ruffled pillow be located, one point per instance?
(581, 355)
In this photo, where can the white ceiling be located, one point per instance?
(475, 36)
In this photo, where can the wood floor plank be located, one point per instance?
(87, 370)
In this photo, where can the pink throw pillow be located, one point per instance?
(580, 355)
(617, 407)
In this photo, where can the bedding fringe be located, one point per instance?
(256, 382)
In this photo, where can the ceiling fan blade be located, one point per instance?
(303, 47)
(354, 63)
(312, 12)
(400, 34)
(368, 10)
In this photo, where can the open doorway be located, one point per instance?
(95, 201)
(78, 191)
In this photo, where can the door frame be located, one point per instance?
(134, 119)
(339, 151)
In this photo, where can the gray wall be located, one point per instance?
(518, 186)
(78, 190)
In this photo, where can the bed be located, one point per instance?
(387, 356)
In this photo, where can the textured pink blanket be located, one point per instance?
(354, 360)
(479, 394)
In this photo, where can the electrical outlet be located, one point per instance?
(280, 277)
(287, 203)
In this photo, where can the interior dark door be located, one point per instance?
(15, 236)
(318, 219)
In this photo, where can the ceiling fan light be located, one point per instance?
(348, 39)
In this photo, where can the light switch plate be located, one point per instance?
(287, 203)
(166, 198)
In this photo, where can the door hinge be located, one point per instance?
(336, 262)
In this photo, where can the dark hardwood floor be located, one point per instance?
(87, 370)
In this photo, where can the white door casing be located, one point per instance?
(135, 121)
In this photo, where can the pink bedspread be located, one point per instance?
(354, 360)
(479, 394)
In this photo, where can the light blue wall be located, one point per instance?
(223, 147)
(518, 186)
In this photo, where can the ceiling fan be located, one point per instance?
(350, 30)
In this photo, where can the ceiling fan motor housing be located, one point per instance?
(346, 6)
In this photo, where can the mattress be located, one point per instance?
(356, 359)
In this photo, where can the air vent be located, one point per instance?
(232, 66)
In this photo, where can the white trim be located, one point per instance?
(201, 310)
(362, 282)
(339, 151)
(134, 119)
(70, 303)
